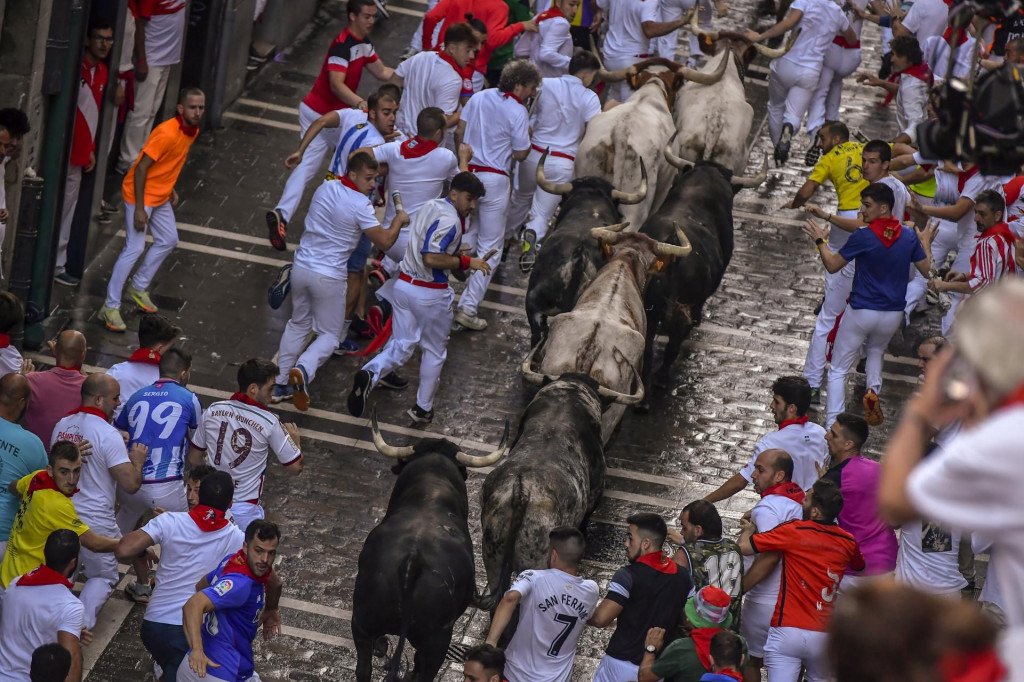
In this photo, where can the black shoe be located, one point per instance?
(815, 396)
(419, 415)
(785, 142)
(277, 227)
(862, 365)
(812, 155)
(359, 329)
(360, 392)
(393, 381)
(821, 304)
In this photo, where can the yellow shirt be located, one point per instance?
(40, 513)
(841, 166)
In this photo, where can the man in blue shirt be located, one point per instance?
(222, 619)
(883, 251)
(160, 416)
(21, 451)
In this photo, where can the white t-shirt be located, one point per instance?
(165, 33)
(418, 179)
(237, 438)
(975, 185)
(972, 485)
(552, 49)
(356, 132)
(10, 358)
(335, 221)
(33, 616)
(186, 555)
(564, 107)
(132, 376)
(928, 558)
(805, 444)
(926, 18)
(496, 126)
(553, 611)
(436, 228)
(94, 500)
(822, 20)
(430, 81)
(626, 40)
(901, 196)
(770, 512)
(936, 55)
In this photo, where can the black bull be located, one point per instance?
(700, 204)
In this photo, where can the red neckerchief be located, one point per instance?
(415, 147)
(90, 410)
(5, 340)
(351, 185)
(962, 178)
(729, 672)
(702, 643)
(207, 518)
(887, 230)
(146, 356)
(1015, 398)
(961, 36)
(550, 13)
(70, 368)
(239, 564)
(191, 131)
(44, 575)
(659, 562)
(999, 230)
(43, 481)
(971, 666)
(451, 60)
(509, 95)
(919, 71)
(790, 422)
(785, 489)
(243, 398)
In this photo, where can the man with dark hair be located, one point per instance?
(422, 298)
(58, 390)
(13, 126)
(39, 608)
(191, 544)
(156, 336)
(726, 658)
(21, 452)
(193, 479)
(50, 663)
(804, 440)
(710, 558)
(242, 594)
(12, 313)
(484, 663)
(646, 593)
(910, 88)
(816, 553)
(883, 252)
(555, 603)
(240, 432)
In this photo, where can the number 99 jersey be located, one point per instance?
(160, 417)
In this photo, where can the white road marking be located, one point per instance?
(402, 10)
(747, 215)
(226, 234)
(317, 636)
(268, 106)
(262, 121)
(223, 253)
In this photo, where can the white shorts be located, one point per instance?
(167, 495)
(788, 648)
(612, 669)
(245, 513)
(754, 624)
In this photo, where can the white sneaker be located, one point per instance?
(470, 321)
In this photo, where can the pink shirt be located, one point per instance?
(55, 393)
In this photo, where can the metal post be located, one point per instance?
(24, 247)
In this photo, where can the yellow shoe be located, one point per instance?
(112, 319)
(142, 299)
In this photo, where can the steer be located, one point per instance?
(416, 571)
(571, 257)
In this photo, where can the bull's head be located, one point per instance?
(466, 460)
(611, 235)
(708, 39)
(672, 76)
(566, 187)
(533, 377)
(738, 181)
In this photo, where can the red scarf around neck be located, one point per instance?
(971, 666)
(239, 564)
(790, 422)
(918, 71)
(5, 340)
(146, 356)
(191, 131)
(243, 398)
(451, 61)
(207, 518)
(999, 230)
(786, 489)
(44, 575)
(550, 13)
(509, 95)
(702, 643)
(887, 230)
(961, 36)
(659, 562)
(729, 672)
(415, 147)
(351, 185)
(87, 409)
(43, 481)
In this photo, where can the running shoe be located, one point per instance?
(380, 274)
(64, 279)
(470, 321)
(529, 255)
(142, 299)
(815, 396)
(298, 381)
(282, 286)
(139, 594)
(361, 387)
(393, 381)
(785, 142)
(282, 393)
(419, 415)
(278, 228)
(873, 409)
(112, 319)
(347, 347)
(813, 154)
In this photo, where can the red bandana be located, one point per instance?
(918, 71)
(416, 147)
(191, 131)
(43, 481)
(44, 575)
(790, 422)
(961, 36)
(659, 562)
(550, 13)
(5, 340)
(887, 230)
(729, 672)
(207, 518)
(146, 356)
(786, 489)
(95, 411)
(509, 95)
(243, 398)
(702, 643)
(972, 666)
(451, 60)
(999, 230)
(239, 564)
(351, 185)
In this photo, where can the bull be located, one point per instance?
(416, 572)
(571, 257)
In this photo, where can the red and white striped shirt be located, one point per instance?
(90, 96)
(1014, 198)
(992, 257)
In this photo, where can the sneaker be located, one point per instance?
(139, 594)
(785, 142)
(393, 381)
(282, 286)
(862, 366)
(812, 155)
(108, 208)
(282, 393)
(817, 308)
(873, 409)
(358, 328)
(815, 396)
(419, 415)
(529, 255)
(112, 319)
(347, 347)
(142, 299)
(469, 321)
(297, 380)
(104, 218)
(278, 228)
(64, 279)
(361, 387)
(380, 274)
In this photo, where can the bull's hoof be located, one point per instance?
(381, 646)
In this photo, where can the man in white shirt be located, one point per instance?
(39, 608)
(924, 19)
(928, 559)
(554, 606)
(142, 368)
(236, 435)
(936, 53)
(910, 88)
(110, 467)
(551, 47)
(495, 124)
(192, 544)
(841, 59)
(802, 439)
(564, 107)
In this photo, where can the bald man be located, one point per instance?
(21, 452)
(110, 466)
(55, 392)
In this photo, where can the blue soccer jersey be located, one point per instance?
(228, 630)
(160, 417)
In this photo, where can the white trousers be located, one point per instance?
(165, 237)
(619, 91)
(71, 187)
(755, 624)
(486, 232)
(839, 63)
(417, 38)
(788, 648)
(422, 318)
(871, 329)
(317, 306)
(837, 289)
(556, 169)
(100, 573)
(790, 88)
(523, 188)
(167, 495)
(149, 98)
(245, 513)
(322, 145)
(945, 241)
(615, 670)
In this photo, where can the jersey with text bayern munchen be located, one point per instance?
(160, 417)
(228, 630)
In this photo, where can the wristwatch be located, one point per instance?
(650, 648)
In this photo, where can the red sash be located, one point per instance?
(702, 644)
(5, 340)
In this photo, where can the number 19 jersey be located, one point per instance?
(553, 611)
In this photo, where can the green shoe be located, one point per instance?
(112, 319)
(529, 255)
(142, 300)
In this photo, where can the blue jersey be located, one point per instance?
(160, 416)
(228, 630)
(880, 281)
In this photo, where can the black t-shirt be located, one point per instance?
(650, 599)
(1011, 28)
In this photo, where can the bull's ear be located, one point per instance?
(606, 250)
(660, 263)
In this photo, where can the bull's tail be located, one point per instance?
(489, 600)
(408, 573)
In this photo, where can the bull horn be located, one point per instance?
(382, 447)
(625, 398)
(608, 234)
(680, 251)
(697, 30)
(556, 188)
(704, 78)
(677, 161)
(477, 461)
(779, 51)
(747, 181)
(530, 376)
(637, 196)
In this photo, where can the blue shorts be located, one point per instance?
(357, 261)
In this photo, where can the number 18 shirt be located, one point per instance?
(554, 608)
(159, 417)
